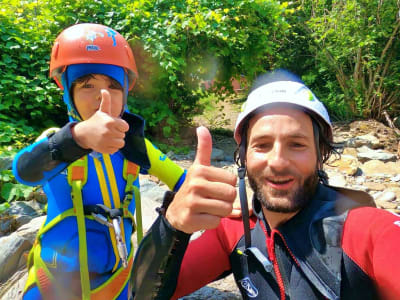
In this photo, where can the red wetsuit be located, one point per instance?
(332, 249)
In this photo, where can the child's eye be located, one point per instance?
(87, 86)
(115, 87)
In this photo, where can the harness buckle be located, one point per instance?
(101, 219)
(122, 251)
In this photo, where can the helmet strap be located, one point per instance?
(242, 190)
(125, 89)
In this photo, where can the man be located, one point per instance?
(306, 240)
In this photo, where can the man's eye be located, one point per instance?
(298, 145)
(87, 86)
(262, 146)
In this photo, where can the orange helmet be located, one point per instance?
(91, 44)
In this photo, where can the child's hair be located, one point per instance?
(87, 77)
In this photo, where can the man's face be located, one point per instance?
(281, 159)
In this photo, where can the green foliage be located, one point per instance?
(11, 190)
(180, 45)
(357, 53)
(177, 45)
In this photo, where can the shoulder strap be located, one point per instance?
(130, 173)
(77, 177)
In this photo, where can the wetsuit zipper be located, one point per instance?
(269, 239)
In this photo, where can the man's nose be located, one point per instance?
(278, 157)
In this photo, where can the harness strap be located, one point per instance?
(114, 286)
(107, 202)
(77, 178)
(39, 273)
(130, 173)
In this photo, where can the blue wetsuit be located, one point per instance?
(45, 163)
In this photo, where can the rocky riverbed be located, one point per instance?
(370, 161)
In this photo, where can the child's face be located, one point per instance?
(87, 96)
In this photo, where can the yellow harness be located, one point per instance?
(40, 275)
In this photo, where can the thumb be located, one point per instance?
(204, 146)
(105, 105)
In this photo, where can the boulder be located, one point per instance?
(365, 154)
(377, 167)
(11, 249)
(347, 164)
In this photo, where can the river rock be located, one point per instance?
(350, 151)
(364, 140)
(152, 196)
(375, 186)
(14, 287)
(11, 249)
(336, 179)
(217, 154)
(13, 246)
(365, 154)
(377, 167)
(347, 164)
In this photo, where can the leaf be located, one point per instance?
(7, 191)
(4, 206)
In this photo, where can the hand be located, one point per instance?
(206, 195)
(101, 132)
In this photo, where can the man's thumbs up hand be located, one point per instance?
(101, 132)
(206, 195)
(204, 147)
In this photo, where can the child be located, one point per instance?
(89, 171)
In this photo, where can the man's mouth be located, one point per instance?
(280, 183)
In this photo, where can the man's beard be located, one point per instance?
(298, 198)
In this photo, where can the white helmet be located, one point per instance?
(282, 91)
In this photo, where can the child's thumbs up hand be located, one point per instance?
(101, 132)
(206, 195)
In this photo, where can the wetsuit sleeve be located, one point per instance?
(371, 238)
(39, 162)
(157, 261)
(151, 160)
(164, 254)
(164, 168)
(206, 260)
